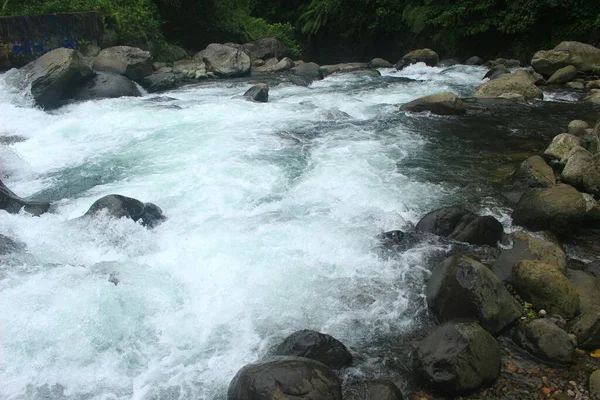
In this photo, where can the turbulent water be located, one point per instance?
(273, 215)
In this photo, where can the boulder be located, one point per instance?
(117, 206)
(576, 85)
(13, 204)
(283, 378)
(309, 71)
(317, 346)
(53, 74)
(258, 63)
(582, 170)
(559, 209)
(400, 241)
(582, 56)
(578, 127)
(544, 286)
(8, 245)
(132, 62)
(426, 56)
(545, 340)
(284, 65)
(224, 61)
(160, 82)
(264, 48)
(593, 85)
(475, 61)
(534, 173)
(105, 85)
(372, 390)
(527, 247)
(593, 97)
(259, 93)
(595, 385)
(496, 71)
(271, 62)
(380, 63)
(463, 288)
(538, 79)
(563, 75)
(509, 83)
(462, 225)
(457, 357)
(445, 103)
(561, 146)
(586, 326)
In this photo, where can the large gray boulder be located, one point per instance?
(462, 225)
(563, 75)
(582, 56)
(559, 209)
(457, 357)
(544, 286)
(426, 56)
(309, 71)
(264, 48)
(117, 206)
(53, 74)
(285, 377)
(545, 340)
(224, 61)
(13, 204)
(534, 172)
(461, 287)
(445, 103)
(106, 85)
(528, 247)
(519, 82)
(582, 170)
(316, 346)
(561, 146)
(132, 62)
(372, 390)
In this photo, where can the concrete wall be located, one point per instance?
(26, 37)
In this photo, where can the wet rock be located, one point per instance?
(545, 340)
(117, 206)
(400, 241)
(578, 127)
(582, 170)
(264, 48)
(106, 85)
(380, 63)
(160, 82)
(259, 93)
(586, 327)
(132, 62)
(427, 56)
(445, 103)
(510, 83)
(53, 74)
(583, 57)
(527, 247)
(544, 286)
(534, 173)
(309, 71)
(475, 61)
(8, 245)
(595, 385)
(559, 209)
(496, 71)
(563, 75)
(462, 225)
(461, 287)
(13, 204)
(372, 390)
(457, 357)
(285, 377)
(561, 146)
(316, 346)
(224, 61)
(284, 65)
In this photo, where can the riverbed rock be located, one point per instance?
(285, 377)
(561, 146)
(563, 75)
(462, 225)
(575, 85)
(559, 209)
(463, 288)
(582, 170)
(264, 48)
(475, 61)
(52, 75)
(427, 56)
(528, 247)
(284, 65)
(317, 346)
(509, 83)
(13, 204)
(457, 357)
(586, 326)
(544, 286)
(538, 79)
(117, 206)
(106, 85)
(595, 385)
(582, 56)
(593, 97)
(593, 84)
(496, 71)
(372, 390)
(532, 173)
(8, 245)
(578, 127)
(380, 63)
(224, 61)
(132, 62)
(309, 71)
(445, 103)
(159, 82)
(545, 340)
(258, 93)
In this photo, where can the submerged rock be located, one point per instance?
(372, 390)
(106, 85)
(13, 204)
(534, 172)
(461, 287)
(427, 56)
(224, 61)
(316, 346)
(259, 92)
(132, 62)
(118, 206)
(285, 377)
(445, 103)
(458, 357)
(545, 340)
